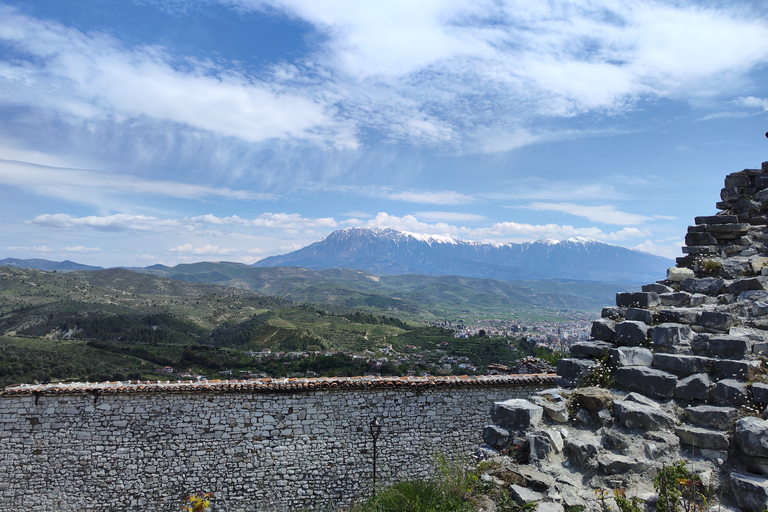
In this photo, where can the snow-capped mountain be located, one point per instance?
(391, 252)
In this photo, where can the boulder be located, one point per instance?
(648, 381)
(749, 491)
(689, 316)
(694, 387)
(613, 313)
(699, 299)
(539, 445)
(752, 436)
(710, 416)
(549, 506)
(705, 285)
(735, 369)
(748, 283)
(729, 392)
(516, 414)
(495, 436)
(716, 219)
(630, 356)
(678, 275)
(534, 479)
(634, 415)
(631, 332)
(702, 437)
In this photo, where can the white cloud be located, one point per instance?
(82, 249)
(206, 249)
(37, 248)
(117, 222)
(94, 187)
(606, 214)
(425, 197)
(93, 76)
(752, 102)
(449, 216)
(669, 249)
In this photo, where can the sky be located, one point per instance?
(136, 132)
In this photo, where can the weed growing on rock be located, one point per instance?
(602, 375)
(680, 490)
(710, 267)
(196, 502)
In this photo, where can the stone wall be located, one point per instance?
(288, 449)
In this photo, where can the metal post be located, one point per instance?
(375, 431)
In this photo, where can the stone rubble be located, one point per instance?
(687, 358)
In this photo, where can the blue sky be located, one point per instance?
(138, 132)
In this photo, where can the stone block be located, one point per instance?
(657, 287)
(721, 345)
(760, 308)
(516, 414)
(539, 445)
(613, 313)
(739, 228)
(711, 416)
(612, 464)
(590, 349)
(737, 180)
(705, 285)
(749, 491)
(675, 299)
(603, 329)
(717, 321)
(630, 356)
(748, 283)
(716, 219)
(679, 274)
(634, 415)
(631, 332)
(729, 392)
(699, 299)
(689, 316)
(582, 449)
(758, 263)
(681, 364)
(523, 495)
(593, 399)
(752, 436)
(668, 334)
(735, 369)
(702, 437)
(639, 315)
(648, 381)
(495, 436)
(573, 370)
(700, 239)
(761, 181)
(693, 387)
(637, 299)
(760, 392)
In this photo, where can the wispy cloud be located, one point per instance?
(424, 197)
(450, 216)
(206, 249)
(94, 187)
(81, 249)
(37, 248)
(605, 214)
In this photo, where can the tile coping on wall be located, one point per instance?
(268, 385)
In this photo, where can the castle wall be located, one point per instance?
(284, 449)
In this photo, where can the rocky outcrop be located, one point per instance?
(686, 354)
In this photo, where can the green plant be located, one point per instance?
(632, 504)
(196, 502)
(601, 495)
(710, 267)
(680, 490)
(601, 375)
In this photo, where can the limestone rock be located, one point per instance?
(749, 491)
(717, 321)
(539, 445)
(656, 287)
(638, 416)
(722, 345)
(711, 416)
(648, 381)
(671, 334)
(612, 464)
(760, 392)
(639, 315)
(522, 495)
(637, 299)
(693, 387)
(630, 356)
(681, 364)
(495, 436)
(729, 392)
(705, 285)
(675, 298)
(582, 449)
(516, 414)
(702, 437)
(677, 275)
(590, 349)
(593, 399)
(613, 313)
(534, 479)
(573, 370)
(752, 436)
(631, 332)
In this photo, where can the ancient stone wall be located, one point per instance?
(136, 448)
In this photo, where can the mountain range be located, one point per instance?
(386, 252)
